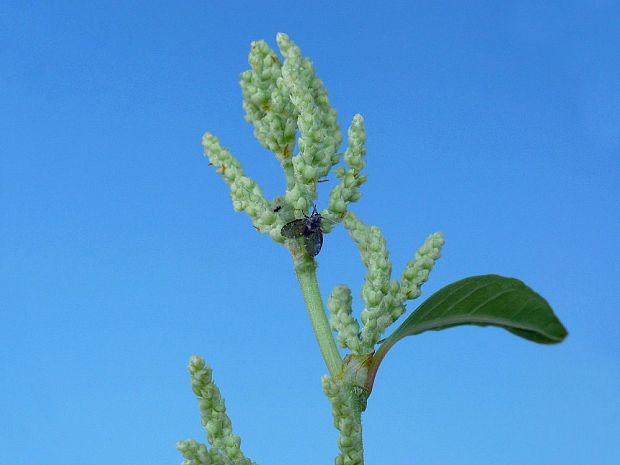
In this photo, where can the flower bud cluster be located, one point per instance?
(347, 419)
(282, 100)
(319, 132)
(417, 270)
(381, 297)
(384, 300)
(226, 447)
(267, 104)
(245, 192)
(351, 179)
(342, 320)
(196, 453)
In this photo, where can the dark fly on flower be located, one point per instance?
(308, 228)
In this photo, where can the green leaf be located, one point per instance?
(487, 300)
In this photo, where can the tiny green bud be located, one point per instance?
(309, 173)
(194, 452)
(339, 206)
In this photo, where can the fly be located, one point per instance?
(308, 228)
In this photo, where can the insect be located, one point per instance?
(308, 228)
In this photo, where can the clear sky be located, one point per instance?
(497, 123)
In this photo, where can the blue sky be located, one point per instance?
(497, 123)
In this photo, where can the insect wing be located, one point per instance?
(313, 242)
(294, 229)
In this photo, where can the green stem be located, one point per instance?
(305, 269)
(376, 360)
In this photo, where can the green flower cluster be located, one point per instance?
(226, 447)
(346, 412)
(351, 178)
(246, 194)
(267, 104)
(289, 108)
(384, 300)
(342, 321)
(417, 270)
(282, 101)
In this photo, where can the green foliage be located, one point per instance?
(487, 300)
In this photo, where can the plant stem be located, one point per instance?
(305, 269)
